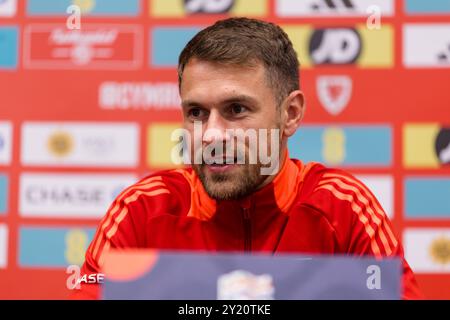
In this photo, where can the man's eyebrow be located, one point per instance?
(242, 98)
(190, 103)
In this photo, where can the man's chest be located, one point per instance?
(272, 233)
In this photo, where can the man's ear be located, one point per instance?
(294, 109)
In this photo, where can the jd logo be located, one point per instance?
(334, 92)
(442, 146)
(208, 6)
(335, 46)
(444, 55)
(374, 279)
(332, 5)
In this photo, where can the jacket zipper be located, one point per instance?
(247, 228)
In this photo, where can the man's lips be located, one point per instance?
(220, 167)
(220, 164)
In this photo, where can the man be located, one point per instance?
(244, 74)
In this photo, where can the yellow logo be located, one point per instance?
(418, 145)
(86, 6)
(333, 150)
(60, 144)
(76, 245)
(440, 250)
(161, 146)
(317, 46)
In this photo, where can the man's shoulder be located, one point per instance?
(164, 191)
(319, 175)
(338, 194)
(168, 179)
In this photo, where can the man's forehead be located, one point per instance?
(204, 79)
(197, 70)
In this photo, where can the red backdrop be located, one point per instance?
(67, 87)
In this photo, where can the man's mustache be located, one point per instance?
(219, 154)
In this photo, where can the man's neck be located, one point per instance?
(271, 177)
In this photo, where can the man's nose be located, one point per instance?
(215, 129)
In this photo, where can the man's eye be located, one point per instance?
(195, 113)
(237, 108)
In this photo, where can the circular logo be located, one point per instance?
(60, 144)
(335, 46)
(442, 146)
(208, 6)
(86, 6)
(440, 250)
(82, 54)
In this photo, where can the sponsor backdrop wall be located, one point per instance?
(84, 113)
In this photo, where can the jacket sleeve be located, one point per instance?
(362, 225)
(363, 244)
(123, 226)
(109, 234)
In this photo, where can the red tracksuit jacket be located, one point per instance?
(305, 209)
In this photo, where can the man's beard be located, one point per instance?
(241, 182)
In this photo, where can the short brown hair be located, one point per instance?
(244, 41)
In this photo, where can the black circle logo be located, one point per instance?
(442, 146)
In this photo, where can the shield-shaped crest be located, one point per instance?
(334, 92)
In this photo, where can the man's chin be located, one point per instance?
(221, 183)
(222, 191)
(221, 173)
(230, 183)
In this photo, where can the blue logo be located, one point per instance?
(427, 197)
(427, 6)
(3, 194)
(357, 146)
(45, 247)
(167, 44)
(116, 8)
(8, 47)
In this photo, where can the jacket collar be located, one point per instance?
(281, 192)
